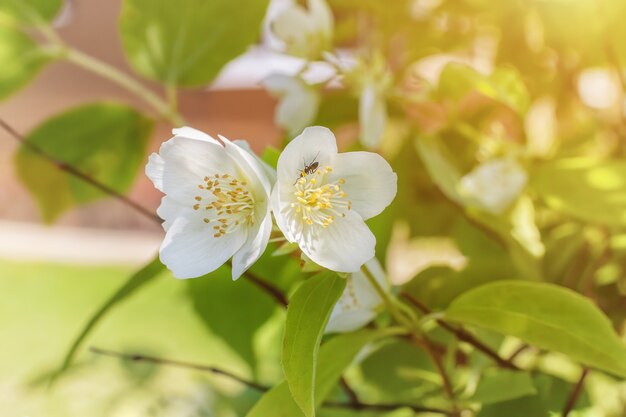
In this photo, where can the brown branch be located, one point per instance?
(275, 293)
(386, 407)
(463, 335)
(63, 166)
(170, 362)
(426, 344)
(576, 391)
(357, 405)
(353, 398)
(522, 348)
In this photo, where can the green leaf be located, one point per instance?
(592, 190)
(187, 42)
(21, 60)
(334, 357)
(490, 388)
(400, 371)
(218, 300)
(548, 316)
(29, 11)
(307, 315)
(104, 141)
(503, 85)
(442, 172)
(137, 281)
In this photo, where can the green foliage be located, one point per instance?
(307, 315)
(20, 11)
(218, 301)
(334, 357)
(490, 388)
(186, 43)
(503, 85)
(400, 371)
(105, 141)
(136, 282)
(547, 316)
(590, 189)
(21, 60)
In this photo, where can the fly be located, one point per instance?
(309, 168)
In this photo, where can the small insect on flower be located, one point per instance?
(324, 210)
(309, 168)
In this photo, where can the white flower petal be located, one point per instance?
(186, 162)
(281, 84)
(371, 184)
(349, 321)
(249, 165)
(191, 133)
(359, 302)
(270, 172)
(314, 144)
(190, 250)
(279, 206)
(494, 184)
(344, 246)
(154, 170)
(170, 210)
(253, 248)
(372, 116)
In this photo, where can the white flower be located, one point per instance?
(306, 32)
(322, 199)
(298, 102)
(372, 115)
(494, 185)
(216, 203)
(359, 303)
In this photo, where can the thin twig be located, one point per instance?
(426, 344)
(170, 362)
(357, 405)
(463, 335)
(275, 293)
(576, 391)
(386, 407)
(353, 398)
(522, 348)
(63, 166)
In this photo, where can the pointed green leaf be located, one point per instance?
(334, 357)
(187, 42)
(29, 11)
(545, 315)
(592, 190)
(105, 141)
(21, 60)
(307, 315)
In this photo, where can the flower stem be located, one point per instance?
(111, 73)
(165, 109)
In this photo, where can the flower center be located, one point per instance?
(318, 202)
(227, 202)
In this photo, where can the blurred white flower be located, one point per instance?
(306, 32)
(298, 103)
(322, 199)
(216, 203)
(372, 114)
(599, 88)
(494, 185)
(359, 303)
